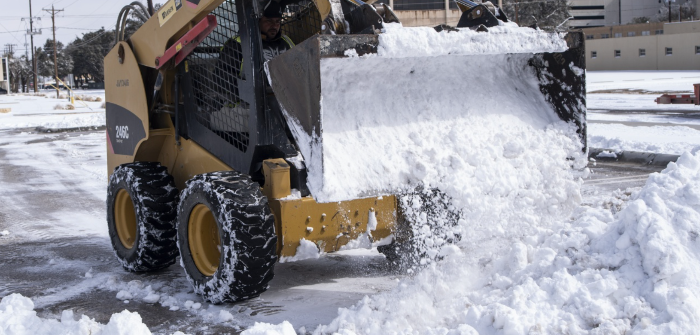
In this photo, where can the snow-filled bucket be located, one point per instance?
(354, 100)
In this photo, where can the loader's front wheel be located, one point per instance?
(141, 207)
(226, 235)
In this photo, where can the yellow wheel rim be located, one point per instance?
(125, 219)
(203, 236)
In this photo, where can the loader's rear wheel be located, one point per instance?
(141, 207)
(226, 235)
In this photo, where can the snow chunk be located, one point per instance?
(606, 154)
(124, 295)
(151, 298)
(225, 316)
(305, 250)
(125, 323)
(261, 328)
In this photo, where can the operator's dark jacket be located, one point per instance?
(229, 66)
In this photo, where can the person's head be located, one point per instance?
(271, 20)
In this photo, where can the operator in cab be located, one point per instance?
(274, 42)
(230, 64)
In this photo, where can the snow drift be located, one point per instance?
(637, 271)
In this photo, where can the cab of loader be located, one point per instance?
(206, 149)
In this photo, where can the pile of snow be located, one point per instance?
(399, 41)
(441, 114)
(638, 271)
(17, 317)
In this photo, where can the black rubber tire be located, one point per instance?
(246, 236)
(152, 192)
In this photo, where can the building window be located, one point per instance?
(604, 35)
(659, 32)
(631, 33)
(618, 35)
(594, 54)
(617, 53)
(646, 33)
(589, 37)
(697, 49)
(669, 51)
(642, 52)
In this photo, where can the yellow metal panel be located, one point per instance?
(277, 180)
(120, 66)
(324, 8)
(330, 225)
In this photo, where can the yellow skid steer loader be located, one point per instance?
(214, 163)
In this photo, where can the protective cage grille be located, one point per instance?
(216, 72)
(301, 21)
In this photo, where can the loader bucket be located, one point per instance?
(329, 87)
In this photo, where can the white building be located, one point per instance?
(646, 46)
(4, 74)
(599, 13)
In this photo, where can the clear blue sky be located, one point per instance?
(78, 17)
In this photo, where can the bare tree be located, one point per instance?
(684, 11)
(545, 14)
(20, 73)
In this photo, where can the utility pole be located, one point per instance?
(8, 49)
(55, 56)
(31, 33)
(26, 47)
(619, 6)
(669, 11)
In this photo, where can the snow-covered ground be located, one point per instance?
(532, 258)
(632, 120)
(43, 109)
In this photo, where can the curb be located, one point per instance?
(634, 157)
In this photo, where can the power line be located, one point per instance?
(70, 46)
(92, 29)
(71, 4)
(13, 35)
